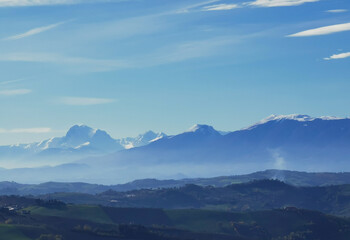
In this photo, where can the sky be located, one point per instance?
(129, 66)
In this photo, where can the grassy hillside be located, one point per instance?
(83, 212)
(290, 177)
(82, 222)
(253, 196)
(263, 225)
(10, 232)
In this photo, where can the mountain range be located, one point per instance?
(293, 142)
(79, 141)
(294, 178)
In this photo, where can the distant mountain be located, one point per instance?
(294, 142)
(52, 219)
(291, 142)
(79, 141)
(141, 140)
(290, 177)
(251, 196)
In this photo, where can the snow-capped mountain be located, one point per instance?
(295, 117)
(81, 138)
(296, 142)
(141, 140)
(79, 141)
(293, 142)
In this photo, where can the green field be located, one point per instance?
(83, 212)
(91, 222)
(9, 232)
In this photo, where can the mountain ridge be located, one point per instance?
(290, 142)
(305, 179)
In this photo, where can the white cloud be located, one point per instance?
(79, 63)
(187, 9)
(323, 30)
(279, 3)
(11, 81)
(220, 7)
(171, 53)
(14, 92)
(338, 56)
(83, 101)
(190, 50)
(26, 130)
(337, 11)
(28, 3)
(22, 3)
(34, 31)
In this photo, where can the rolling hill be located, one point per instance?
(54, 220)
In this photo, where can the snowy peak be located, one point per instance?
(203, 129)
(298, 117)
(83, 138)
(142, 139)
(292, 117)
(79, 134)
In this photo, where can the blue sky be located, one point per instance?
(134, 65)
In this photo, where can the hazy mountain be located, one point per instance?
(294, 142)
(141, 140)
(52, 219)
(290, 177)
(252, 196)
(79, 141)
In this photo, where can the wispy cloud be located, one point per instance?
(279, 3)
(337, 10)
(189, 50)
(171, 53)
(188, 8)
(338, 56)
(323, 30)
(34, 31)
(220, 7)
(12, 81)
(84, 101)
(81, 63)
(26, 130)
(28, 3)
(14, 92)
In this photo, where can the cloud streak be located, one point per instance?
(30, 3)
(34, 31)
(14, 92)
(26, 130)
(337, 11)
(84, 101)
(323, 30)
(338, 56)
(81, 63)
(168, 54)
(11, 81)
(220, 7)
(279, 3)
(195, 6)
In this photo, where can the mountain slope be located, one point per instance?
(79, 141)
(251, 196)
(290, 177)
(295, 142)
(141, 140)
